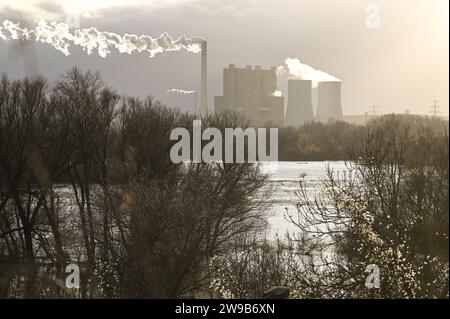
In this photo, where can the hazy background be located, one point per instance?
(401, 65)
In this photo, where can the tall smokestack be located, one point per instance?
(196, 103)
(204, 79)
(329, 102)
(299, 105)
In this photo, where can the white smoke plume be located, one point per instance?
(180, 91)
(294, 68)
(61, 37)
(277, 93)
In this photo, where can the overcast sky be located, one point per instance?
(402, 64)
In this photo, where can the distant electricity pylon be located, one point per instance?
(374, 110)
(435, 108)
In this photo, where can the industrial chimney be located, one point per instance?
(299, 104)
(204, 80)
(329, 102)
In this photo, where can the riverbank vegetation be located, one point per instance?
(378, 231)
(86, 179)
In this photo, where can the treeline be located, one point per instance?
(336, 141)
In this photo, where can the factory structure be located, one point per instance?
(253, 92)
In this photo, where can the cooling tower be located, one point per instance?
(299, 104)
(204, 80)
(329, 102)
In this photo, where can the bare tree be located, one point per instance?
(30, 128)
(177, 216)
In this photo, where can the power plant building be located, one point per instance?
(251, 91)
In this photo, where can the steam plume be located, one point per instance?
(180, 91)
(61, 37)
(294, 68)
(277, 93)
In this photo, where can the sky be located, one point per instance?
(389, 53)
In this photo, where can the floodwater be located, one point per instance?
(284, 178)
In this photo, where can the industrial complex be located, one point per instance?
(253, 92)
